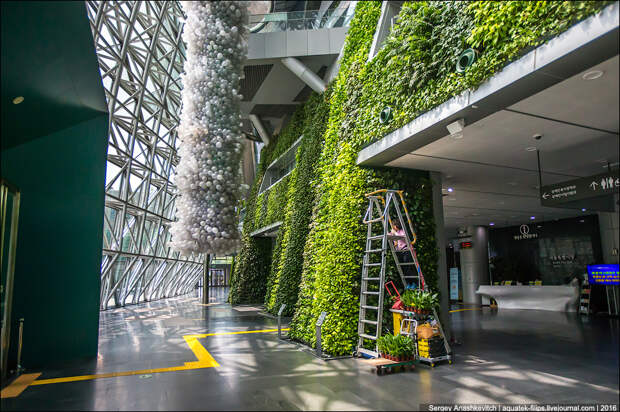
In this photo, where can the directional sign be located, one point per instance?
(583, 188)
(321, 319)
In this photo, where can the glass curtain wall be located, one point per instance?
(141, 56)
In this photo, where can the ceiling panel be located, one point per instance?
(592, 103)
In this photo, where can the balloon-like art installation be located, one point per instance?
(208, 175)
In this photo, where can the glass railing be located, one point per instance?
(300, 20)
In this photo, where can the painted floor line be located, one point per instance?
(205, 360)
(19, 385)
(461, 310)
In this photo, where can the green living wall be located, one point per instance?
(412, 73)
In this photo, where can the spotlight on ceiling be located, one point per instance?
(18, 99)
(584, 209)
(491, 224)
(450, 190)
(456, 129)
(592, 75)
(532, 217)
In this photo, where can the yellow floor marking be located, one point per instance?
(18, 385)
(205, 360)
(204, 335)
(461, 310)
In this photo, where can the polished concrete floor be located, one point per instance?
(505, 356)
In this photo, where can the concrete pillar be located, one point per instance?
(442, 267)
(609, 228)
(475, 264)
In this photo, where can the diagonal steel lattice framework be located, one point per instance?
(141, 56)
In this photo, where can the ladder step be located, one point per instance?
(371, 278)
(370, 293)
(395, 237)
(363, 335)
(370, 307)
(410, 277)
(406, 264)
(370, 322)
(373, 250)
(368, 352)
(375, 237)
(373, 264)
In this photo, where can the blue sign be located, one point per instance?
(604, 274)
(454, 283)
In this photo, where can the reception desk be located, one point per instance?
(556, 298)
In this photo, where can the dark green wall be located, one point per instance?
(57, 275)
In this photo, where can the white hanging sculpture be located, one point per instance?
(208, 175)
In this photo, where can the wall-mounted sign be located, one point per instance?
(454, 284)
(524, 233)
(583, 188)
(466, 245)
(604, 274)
(462, 232)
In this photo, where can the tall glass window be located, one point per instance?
(141, 56)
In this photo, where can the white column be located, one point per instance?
(475, 264)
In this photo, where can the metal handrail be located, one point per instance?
(300, 20)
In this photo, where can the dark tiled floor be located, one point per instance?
(506, 356)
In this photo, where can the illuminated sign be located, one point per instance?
(524, 231)
(603, 274)
(466, 245)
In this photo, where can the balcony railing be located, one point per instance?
(300, 20)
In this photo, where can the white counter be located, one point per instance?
(556, 298)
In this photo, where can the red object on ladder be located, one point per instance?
(398, 305)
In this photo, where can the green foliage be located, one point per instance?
(322, 203)
(334, 249)
(420, 299)
(290, 201)
(399, 345)
(286, 270)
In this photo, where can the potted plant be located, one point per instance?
(397, 348)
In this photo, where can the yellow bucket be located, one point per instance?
(398, 318)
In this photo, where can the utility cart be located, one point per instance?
(382, 366)
(432, 350)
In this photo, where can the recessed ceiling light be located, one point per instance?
(448, 176)
(491, 224)
(592, 75)
(473, 106)
(450, 190)
(532, 217)
(475, 214)
(531, 149)
(584, 209)
(512, 183)
(452, 198)
(581, 221)
(18, 99)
